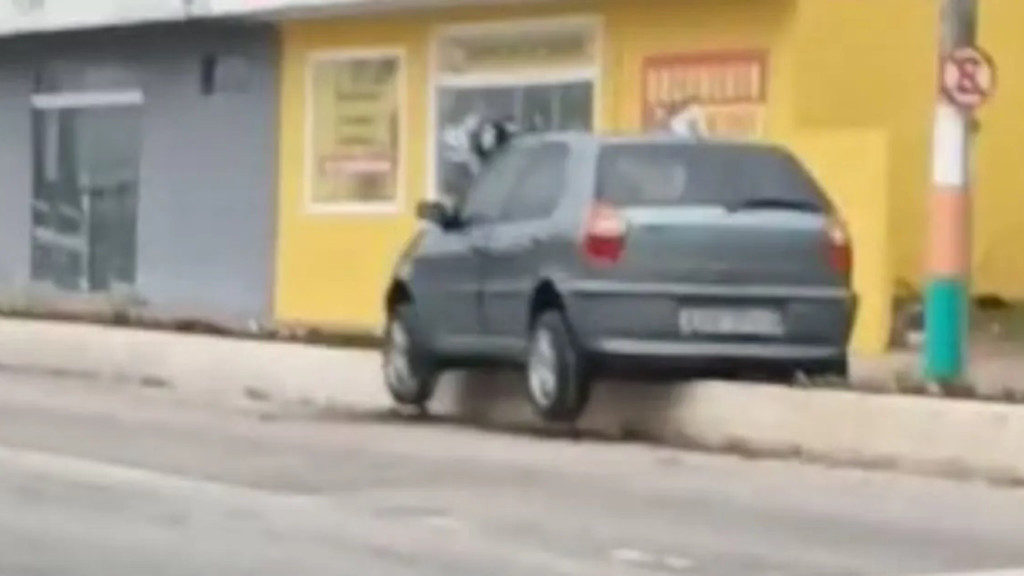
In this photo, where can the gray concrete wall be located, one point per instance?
(207, 199)
(15, 171)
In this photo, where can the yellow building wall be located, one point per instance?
(873, 64)
(324, 261)
(999, 198)
(332, 269)
(859, 191)
(679, 27)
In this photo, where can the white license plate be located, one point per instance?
(731, 321)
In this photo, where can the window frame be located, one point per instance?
(392, 206)
(439, 79)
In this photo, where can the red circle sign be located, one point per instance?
(968, 77)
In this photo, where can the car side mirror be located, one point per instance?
(436, 212)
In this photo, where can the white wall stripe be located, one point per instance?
(949, 143)
(60, 100)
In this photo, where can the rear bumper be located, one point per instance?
(760, 351)
(642, 359)
(637, 327)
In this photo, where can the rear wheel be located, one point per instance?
(410, 371)
(556, 373)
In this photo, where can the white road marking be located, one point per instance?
(649, 560)
(444, 522)
(633, 556)
(1000, 572)
(676, 563)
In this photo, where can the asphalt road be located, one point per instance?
(115, 482)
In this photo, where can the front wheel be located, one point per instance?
(410, 372)
(558, 379)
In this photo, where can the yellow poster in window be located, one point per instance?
(354, 128)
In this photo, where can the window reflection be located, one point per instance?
(85, 197)
(539, 108)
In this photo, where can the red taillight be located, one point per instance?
(604, 238)
(840, 254)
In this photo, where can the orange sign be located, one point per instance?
(729, 89)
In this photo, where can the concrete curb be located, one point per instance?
(959, 437)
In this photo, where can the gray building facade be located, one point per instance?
(140, 165)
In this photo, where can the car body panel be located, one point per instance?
(444, 273)
(475, 284)
(524, 255)
(615, 316)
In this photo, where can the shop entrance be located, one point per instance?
(85, 191)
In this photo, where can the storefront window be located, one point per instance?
(539, 74)
(354, 139)
(85, 198)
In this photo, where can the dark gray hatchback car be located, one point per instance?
(579, 256)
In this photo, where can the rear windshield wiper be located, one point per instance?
(769, 203)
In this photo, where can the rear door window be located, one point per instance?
(683, 174)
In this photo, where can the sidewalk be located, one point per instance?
(214, 368)
(948, 436)
(995, 373)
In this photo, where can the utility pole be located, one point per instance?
(947, 293)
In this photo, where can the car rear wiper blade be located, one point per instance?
(769, 203)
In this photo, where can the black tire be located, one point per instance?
(416, 387)
(567, 391)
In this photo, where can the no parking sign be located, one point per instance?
(968, 77)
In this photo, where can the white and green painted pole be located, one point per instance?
(948, 286)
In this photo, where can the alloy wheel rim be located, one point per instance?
(396, 359)
(543, 368)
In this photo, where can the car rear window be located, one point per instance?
(653, 174)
